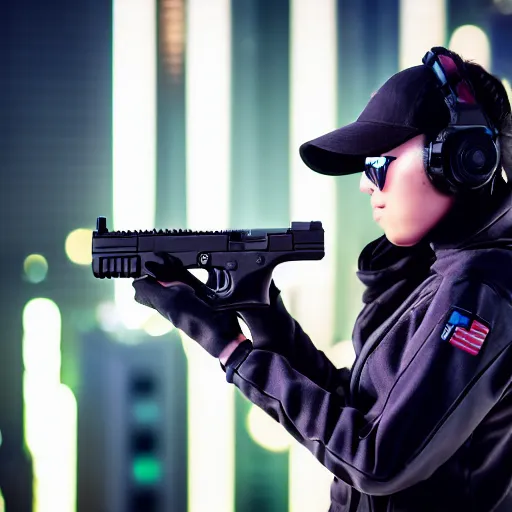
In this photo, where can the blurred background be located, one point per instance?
(179, 114)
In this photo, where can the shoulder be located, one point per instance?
(476, 303)
(491, 267)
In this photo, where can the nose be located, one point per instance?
(365, 185)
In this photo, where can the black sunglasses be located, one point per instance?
(376, 168)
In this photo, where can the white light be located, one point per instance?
(211, 471)
(78, 246)
(266, 431)
(472, 43)
(342, 354)
(41, 341)
(504, 6)
(134, 132)
(50, 410)
(422, 25)
(508, 89)
(52, 436)
(313, 197)
(157, 325)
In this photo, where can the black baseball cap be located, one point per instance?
(406, 105)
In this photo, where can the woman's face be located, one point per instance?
(409, 206)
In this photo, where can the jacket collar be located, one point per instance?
(475, 223)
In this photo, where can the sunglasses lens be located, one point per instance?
(375, 169)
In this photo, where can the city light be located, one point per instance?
(172, 34)
(50, 410)
(313, 68)
(472, 43)
(503, 6)
(157, 325)
(35, 267)
(266, 431)
(78, 246)
(133, 133)
(422, 25)
(211, 471)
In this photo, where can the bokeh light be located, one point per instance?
(267, 432)
(503, 6)
(471, 43)
(422, 25)
(50, 410)
(172, 33)
(342, 354)
(508, 88)
(78, 246)
(157, 325)
(35, 267)
(107, 316)
(41, 340)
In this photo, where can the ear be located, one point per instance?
(425, 158)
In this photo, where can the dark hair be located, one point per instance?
(492, 96)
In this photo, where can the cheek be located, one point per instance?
(415, 207)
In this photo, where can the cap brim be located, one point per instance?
(344, 150)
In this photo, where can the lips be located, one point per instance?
(377, 211)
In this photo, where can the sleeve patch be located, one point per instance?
(464, 331)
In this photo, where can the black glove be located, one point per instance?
(213, 330)
(273, 328)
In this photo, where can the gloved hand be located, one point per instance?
(275, 330)
(178, 302)
(272, 328)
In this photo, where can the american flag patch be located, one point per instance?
(465, 333)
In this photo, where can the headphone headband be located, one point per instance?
(465, 155)
(457, 92)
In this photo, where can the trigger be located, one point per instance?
(217, 279)
(212, 279)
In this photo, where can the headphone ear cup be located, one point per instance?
(471, 156)
(436, 169)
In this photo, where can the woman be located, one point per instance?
(423, 420)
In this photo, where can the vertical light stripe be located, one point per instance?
(313, 111)
(472, 43)
(50, 410)
(133, 132)
(422, 26)
(208, 91)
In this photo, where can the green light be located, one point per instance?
(146, 470)
(36, 268)
(146, 411)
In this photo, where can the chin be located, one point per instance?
(404, 239)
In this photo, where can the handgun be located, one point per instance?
(239, 262)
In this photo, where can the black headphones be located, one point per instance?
(465, 155)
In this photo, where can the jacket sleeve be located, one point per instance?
(314, 364)
(433, 402)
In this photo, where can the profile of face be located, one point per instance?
(409, 206)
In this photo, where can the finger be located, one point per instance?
(171, 269)
(168, 284)
(151, 292)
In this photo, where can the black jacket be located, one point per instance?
(423, 420)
